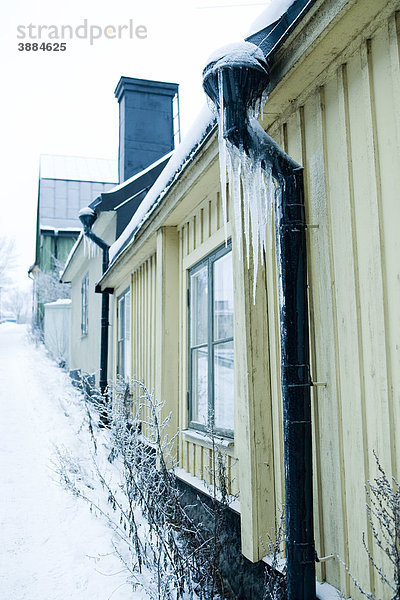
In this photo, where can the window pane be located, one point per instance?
(84, 305)
(200, 385)
(199, 306)
(223, 297)
(127, 370)
(223, 386)
(121, 319)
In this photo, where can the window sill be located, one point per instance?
(203, 439)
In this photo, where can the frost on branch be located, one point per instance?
(383, 512)
(167, 551)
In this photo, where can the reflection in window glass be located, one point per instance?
(223, 385)
(84, 305)
(127, 341)
(124, 335)
(211, 343)
(199, 306)
(200, 385)
(223, 298)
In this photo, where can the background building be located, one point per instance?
(148, 130)
(66, 184)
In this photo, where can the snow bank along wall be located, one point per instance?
(333, 108)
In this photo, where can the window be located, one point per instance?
(84, 305)
(211, 343)
(124, 337)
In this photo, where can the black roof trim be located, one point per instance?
(271, 37)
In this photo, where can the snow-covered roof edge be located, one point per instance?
(269, 15)
(182, 155)
(120, 186)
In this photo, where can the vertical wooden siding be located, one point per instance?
(143, 305)
(347, 136)
(200, 233)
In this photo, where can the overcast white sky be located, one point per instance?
(63, 103)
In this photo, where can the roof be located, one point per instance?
(61, 199)
(124, 199)
(268, 39)
(78, 168)
(180, 157)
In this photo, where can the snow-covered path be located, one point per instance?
(51, 546)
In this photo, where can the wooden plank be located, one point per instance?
(312, 144)
(369, 248)
(385, 85)
(275, 372)
(198, 461)
(213, 214)
(167, 355)
(253, 416)
(191, 458)
(346, 335)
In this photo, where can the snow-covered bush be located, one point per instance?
(383, 513)
(160, 537)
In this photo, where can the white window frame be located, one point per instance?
(124, 334)
(209, 346)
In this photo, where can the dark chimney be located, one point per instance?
(148, 123)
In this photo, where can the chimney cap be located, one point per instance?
(133, 84)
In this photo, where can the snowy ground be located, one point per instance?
(51, 546)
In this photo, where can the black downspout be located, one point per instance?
(296, 382)
(295, 363)
(105, 304)
(87, 217)
(238, 80)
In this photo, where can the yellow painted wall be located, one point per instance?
(346, 133)
(344, 127)
(200, 233)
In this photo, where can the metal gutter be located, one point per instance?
(235, 80)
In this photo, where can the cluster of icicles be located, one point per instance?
(90, 249)
(251, 191)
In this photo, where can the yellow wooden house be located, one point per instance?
(334, 107)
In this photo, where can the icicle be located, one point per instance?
(251, 191)
(246, 205)
(90, 249)
(270, 187)
(234, 171)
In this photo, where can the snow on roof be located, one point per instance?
(274, 10)
(188, 146)
(77, 168)
(141, 173)
(179, 159)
